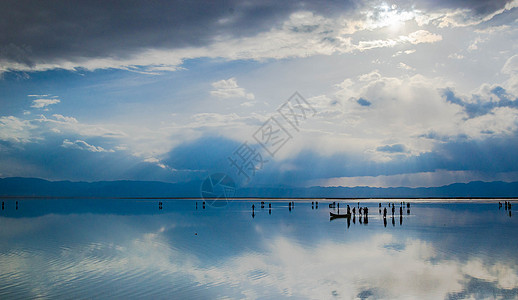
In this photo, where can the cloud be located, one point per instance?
(269, 265)
(404, 52)
(42, 103)
(15, 130)
(417, 37)
(207, 154)
(82, 145)
(108, 35)
(61, 118)
(493, 29)
(465, 13)
(421, 179)
(497, 97)
(422, 36)
(229, 89)
(156, 161)
(396, 148)
(405, 67)
(152, 42)
(54, 158)
(511, 66)
(64, 124)
(456, 56)
(422, 104)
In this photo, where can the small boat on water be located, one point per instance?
(334, 216)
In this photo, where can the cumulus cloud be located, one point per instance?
(229, 89)
(42, 103)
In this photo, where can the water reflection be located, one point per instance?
(363, 213)
(92, 249)
(507, 206)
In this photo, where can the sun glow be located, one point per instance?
(391, 17)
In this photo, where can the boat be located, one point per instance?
(334, 216)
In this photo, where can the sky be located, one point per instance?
(297, 93)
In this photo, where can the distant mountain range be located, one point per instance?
(33, 187)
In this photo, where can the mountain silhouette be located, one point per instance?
(34, 187)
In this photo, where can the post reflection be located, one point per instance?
(507, 207)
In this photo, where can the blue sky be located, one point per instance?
(414, 93)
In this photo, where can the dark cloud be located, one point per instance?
(493, 155)
(207, 154)
(45, 31)
(195, 160)
(479, 106)
(52, 31)
(48, 159)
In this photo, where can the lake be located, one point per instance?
(137, 248)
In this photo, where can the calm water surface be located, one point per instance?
(93, 248)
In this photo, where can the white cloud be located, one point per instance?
(511, 66)
(15, 130)
(412, 104)
(367, 45)
(42, 103)
(460, 17)
(82, 145)
(39, 96)
(410, 51)
(229, 89)
(417, 37)
(157, 162)
(403, 110)
(474, 45)
(456, 56)
(70, 120)
(422, 36)
(72, 125)
(493, 29)
(405, 67)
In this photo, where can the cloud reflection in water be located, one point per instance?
(152, 256)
